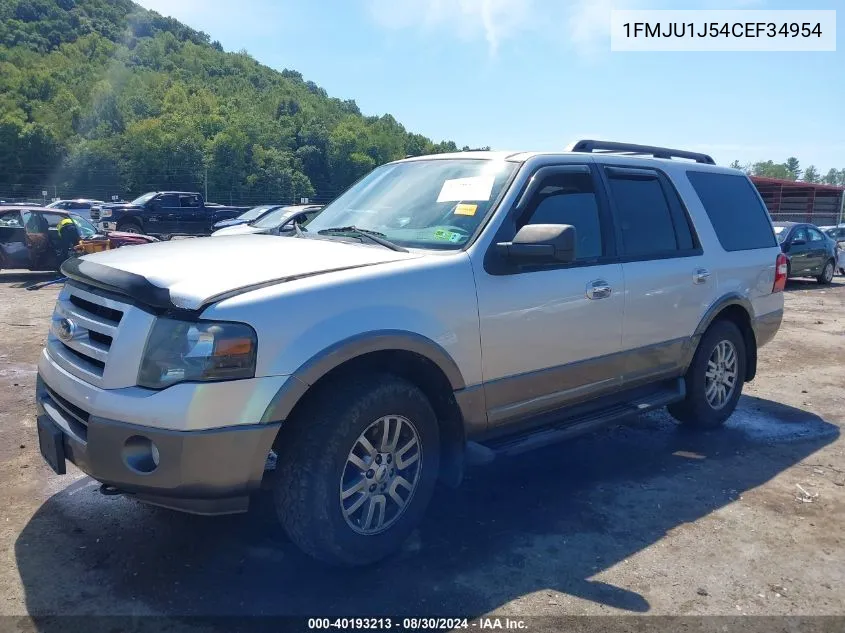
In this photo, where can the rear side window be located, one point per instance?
(643, 215)
(735, 210)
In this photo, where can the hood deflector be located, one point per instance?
(140, 289)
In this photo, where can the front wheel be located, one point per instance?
(131, 227)
(358, 469)
(714, 379)
(827, 273)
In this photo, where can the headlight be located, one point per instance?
(105, 213)
(180, 351)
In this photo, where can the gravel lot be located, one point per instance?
(639, 519)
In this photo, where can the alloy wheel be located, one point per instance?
(721, 375)
(381, 474)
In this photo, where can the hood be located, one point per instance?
(239, 229)
(190, 274)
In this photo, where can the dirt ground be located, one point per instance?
(638, 519)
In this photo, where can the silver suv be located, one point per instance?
(443, 310)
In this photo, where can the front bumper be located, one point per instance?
(107, 226)
(203, 472)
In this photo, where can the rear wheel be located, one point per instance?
(714, 379)
(130, 227)
(827, 273)
(358, 469)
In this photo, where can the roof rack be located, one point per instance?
(610, 147)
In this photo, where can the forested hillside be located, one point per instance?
(102, 97)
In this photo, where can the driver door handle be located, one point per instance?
(700, 276)
(598, 289)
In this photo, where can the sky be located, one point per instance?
(539, 74)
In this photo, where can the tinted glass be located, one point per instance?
(569, 198)
(738, 216)
(11, 219)
(53, 219)
(815, 236)
(799, 235)
(644, 217)
(780, 233)
(169, 200)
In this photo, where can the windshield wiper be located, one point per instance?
(373, 236)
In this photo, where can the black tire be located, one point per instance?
(842, 271)
(130, 227)
(695, 410)
(311, 462)
(827, 273)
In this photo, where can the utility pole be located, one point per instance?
(206, 184)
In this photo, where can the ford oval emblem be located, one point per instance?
(65, 329)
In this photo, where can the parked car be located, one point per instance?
(837, 233)
(444, 310)
(80, 206)
(246, 217)
(164, 213)
(30, 239)
(811, 253)
(272, 221)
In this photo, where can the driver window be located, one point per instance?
(799, 235)
(568, 198)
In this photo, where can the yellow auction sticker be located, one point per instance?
(466, 209)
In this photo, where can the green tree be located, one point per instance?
(793, 167)
(811, 174)
(770, 169)
(831, 177)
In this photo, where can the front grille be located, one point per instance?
(109, 314)
(95, 320)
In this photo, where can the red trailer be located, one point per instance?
(796, 201)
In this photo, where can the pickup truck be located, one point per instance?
(164, 213)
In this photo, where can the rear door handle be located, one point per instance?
(700, 275)
(598, 289)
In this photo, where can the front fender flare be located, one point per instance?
(332, 357)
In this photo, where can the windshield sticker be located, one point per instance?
(458, 189)
(466, 209)
(445, 235)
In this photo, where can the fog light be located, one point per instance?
(140, 454)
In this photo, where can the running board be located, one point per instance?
(478, 454)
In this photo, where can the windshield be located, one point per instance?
(436, 203)
(272, 219)
(256, 212)
(85, 228)
(780, 233)
(142, 199)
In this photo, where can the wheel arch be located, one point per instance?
(410, 356)
(739, 311)
(130, 218)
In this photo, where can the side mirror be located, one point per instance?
(797, 242)
(540, 244)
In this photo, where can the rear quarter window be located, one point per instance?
(735, 210)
